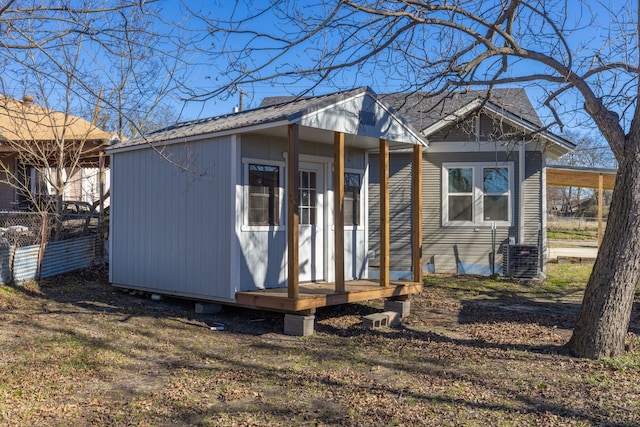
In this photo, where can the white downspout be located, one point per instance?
(521, 170)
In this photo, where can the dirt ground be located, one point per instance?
(76, 351)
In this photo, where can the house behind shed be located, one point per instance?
(484, 198)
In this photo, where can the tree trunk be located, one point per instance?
(603, 322)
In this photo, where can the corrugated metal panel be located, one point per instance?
(399, 211)
(25, 263)
(68, 255)
(170, 219)
(6, 261)
(59, 257)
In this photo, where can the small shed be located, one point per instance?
(265, 208)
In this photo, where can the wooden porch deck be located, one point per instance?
(315, 295)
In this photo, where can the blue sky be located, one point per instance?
(204, 75)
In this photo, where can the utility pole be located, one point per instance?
(241, 93)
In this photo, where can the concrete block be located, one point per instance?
(299, 326)
(401, 307)
(206, 308)
(375, 320)
(393, 318)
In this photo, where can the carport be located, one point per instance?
(576, 176)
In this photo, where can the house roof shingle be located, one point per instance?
(26, 121)
(290, 110)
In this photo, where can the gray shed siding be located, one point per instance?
(171, 219)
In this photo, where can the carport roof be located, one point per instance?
(582, 177)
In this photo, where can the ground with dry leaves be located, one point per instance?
(474, 352)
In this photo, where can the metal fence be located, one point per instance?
(21, 229)
(36, 245)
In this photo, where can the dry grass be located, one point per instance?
(474, 352)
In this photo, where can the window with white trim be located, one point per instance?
(477, 194)
(263, 194)
(352, 187)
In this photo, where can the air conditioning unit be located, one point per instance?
(521, 261)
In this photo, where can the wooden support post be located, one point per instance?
(600, 195)
(384, 213)
(338, 209)
(293, 204)
(417, 213)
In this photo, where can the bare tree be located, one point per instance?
(580, 57)
(114, 63)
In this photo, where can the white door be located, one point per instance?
(311, 227)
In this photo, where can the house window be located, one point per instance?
(477, 194)
(264, 194)
(352, 185)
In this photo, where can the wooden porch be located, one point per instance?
(300, 297)
(315, 295)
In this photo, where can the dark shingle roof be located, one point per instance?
(294, 108)
(423, 109)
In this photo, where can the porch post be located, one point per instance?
(417, 213)
(338, 209)
(384, 213)
(293, 203)
(600, 194)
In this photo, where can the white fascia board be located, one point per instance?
(452, 118)
(419, 139)
(531, 127)
(193, 138)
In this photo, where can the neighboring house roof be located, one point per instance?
(430, 113)
(25, 121)
(357, 112)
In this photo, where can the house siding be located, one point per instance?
(532, 223)
(399, 211)
(168, 231)
(451, 249)
(461, 249)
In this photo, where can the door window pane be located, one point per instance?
(308, 198)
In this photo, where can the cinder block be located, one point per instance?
(299, 326)
(401, 307)
(375, 320)
(393, 318)
(206, 308)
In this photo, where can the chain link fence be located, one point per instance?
(21, 229)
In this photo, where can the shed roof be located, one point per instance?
(26, 121)
(356, 112)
